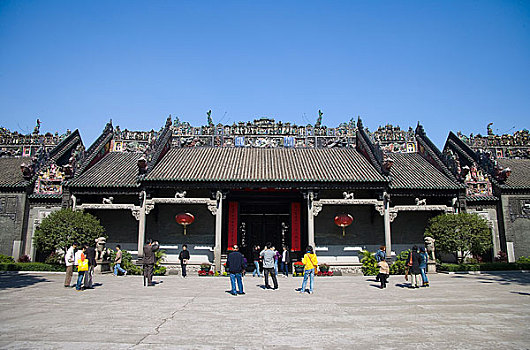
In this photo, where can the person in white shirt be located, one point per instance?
(69, 258)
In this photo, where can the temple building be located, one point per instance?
(265, 181)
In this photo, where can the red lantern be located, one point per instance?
(185, 219)
(343, 220)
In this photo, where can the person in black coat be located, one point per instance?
(413, 262)
(148, 261)
(235, 265)
(90, 253)
(256, 257)
(184, 256)
(286, 261)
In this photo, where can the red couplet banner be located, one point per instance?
(295, 226)
(232, 223)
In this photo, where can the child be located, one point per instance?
(384, 271)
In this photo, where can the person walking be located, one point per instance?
(235, 265)
(69, 259)
(413, 261)
(90, 253)
(384, 272)
(286, 261)
(149, 262)
(268, 266)
(256, 257)
(424, 258)
(118, 261)
(82, 266)
(310, 266)
(184, 256)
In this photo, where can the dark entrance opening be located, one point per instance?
(264, 216)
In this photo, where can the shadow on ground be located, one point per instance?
(15, 280)
(503, 278)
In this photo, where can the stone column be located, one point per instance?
(141, 225)
(310, 219)
(386, 217)
(218, 230)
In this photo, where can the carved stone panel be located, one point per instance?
(519, 208)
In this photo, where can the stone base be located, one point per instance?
(431, 267)
(102, 267)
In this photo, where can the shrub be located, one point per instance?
(31, 266)
(24, 259)
(55, 259)
(159, 270)
(495, 266)
(369, 267)
(206, 265)
(400, 265)
(6, 259)
(501, 257)
(523, 260)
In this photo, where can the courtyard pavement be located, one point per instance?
(484, 311)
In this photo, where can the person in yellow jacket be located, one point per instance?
(310, 267)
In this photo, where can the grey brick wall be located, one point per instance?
(516, 223)
(12, 208)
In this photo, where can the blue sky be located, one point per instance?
(452, 65)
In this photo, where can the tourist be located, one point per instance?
(184, 256)
(82, 266)
(149, 262)
(310, 266)
(384, 272)
(117, 262)
(268, 266)
(256, 257)
(424, 258)
(380, 254)
(90, 253)
(286, 261)
(69, 259)
(235, 265)
(413, 262)
(277, 256)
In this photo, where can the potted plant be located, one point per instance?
(206, 267)
(323, 267)
(298, 267)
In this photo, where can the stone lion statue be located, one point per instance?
(429, 244)
(102, 253)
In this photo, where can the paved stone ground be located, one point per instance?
(486, 311)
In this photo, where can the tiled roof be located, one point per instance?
(412, 171)
(116, 169)
(46, 196)
(520, 176)
(264, 165)
(480, 198)
(10, 174)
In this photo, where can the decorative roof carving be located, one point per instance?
(263, 133)
(516, 145)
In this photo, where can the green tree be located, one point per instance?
(460, 234)
(62, 228)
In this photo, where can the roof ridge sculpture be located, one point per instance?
(369, 149)
(156, 151)
(92, 155)
(431, 152)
